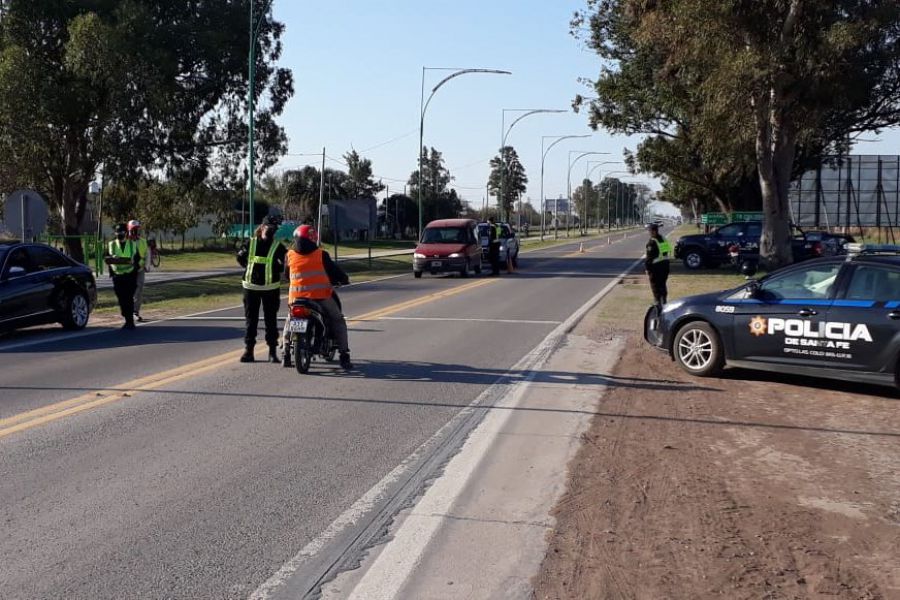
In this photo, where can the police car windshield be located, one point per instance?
(444, 235)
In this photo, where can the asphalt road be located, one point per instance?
(206, 477)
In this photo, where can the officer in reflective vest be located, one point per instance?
(313, 276)
(495, 233)
(122, 261)
(263, 260)
(656, 264)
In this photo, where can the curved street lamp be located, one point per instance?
(504, 135)
(569, 181)
(589, 170)
(423, 106)
(557, 139)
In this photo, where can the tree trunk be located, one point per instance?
(72, 202)
(775, 149)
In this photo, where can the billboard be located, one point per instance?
(849, 191)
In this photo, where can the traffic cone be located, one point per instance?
(608, 241)
(581, 248)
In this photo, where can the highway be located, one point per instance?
(151, 464)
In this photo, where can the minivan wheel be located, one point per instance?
(697, 349)
(466, 268)
(76, 311)
(417, 274)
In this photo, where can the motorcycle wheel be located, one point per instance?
(302, 353)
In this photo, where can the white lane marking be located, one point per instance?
(509, 321)
(404, 552)
(191, 316)
(359, 508)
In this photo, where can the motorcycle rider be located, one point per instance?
(313, 275)
(143, 248)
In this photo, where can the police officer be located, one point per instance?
(263, 260)
(313, 275)
(122, 260)
(656, 264)
(143, 249)
(495, 232)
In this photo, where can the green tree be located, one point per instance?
(515, 181)
(131, 87)
(438, 200)
(360, 180)
(779, 80)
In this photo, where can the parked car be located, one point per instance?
(509, 243)
(723, 244)
(835, 317)
(40, 285)
(448, 246)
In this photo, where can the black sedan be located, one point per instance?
(40, 285)
(836, 317)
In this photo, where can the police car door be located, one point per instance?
(865, 320)
(780, 322)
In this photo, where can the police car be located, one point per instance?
(835, 317)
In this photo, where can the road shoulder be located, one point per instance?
(489, 539)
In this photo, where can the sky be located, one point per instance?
(357, 68)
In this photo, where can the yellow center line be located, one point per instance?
(59, 410)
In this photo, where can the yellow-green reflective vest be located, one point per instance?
(272, 280)
(126, 250)
(665, 251)
(498, 232)
(143, 248)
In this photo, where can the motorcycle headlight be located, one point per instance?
(418, 255)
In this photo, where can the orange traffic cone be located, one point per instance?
(581, 248)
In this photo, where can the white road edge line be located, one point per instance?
(509, 321)
(407, 560)
(191, 316)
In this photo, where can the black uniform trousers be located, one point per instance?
(124, 286)
(494, 257)
(270, 300)
(659, 276)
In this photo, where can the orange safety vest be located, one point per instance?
(308, 276)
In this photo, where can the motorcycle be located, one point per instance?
(308, 336)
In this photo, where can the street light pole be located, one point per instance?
(251, 126)
(544, 153)
(569, 181)
(590, 171)
(423, 106)
(504, 135)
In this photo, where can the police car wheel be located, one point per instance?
(417, 274)
(697, 349)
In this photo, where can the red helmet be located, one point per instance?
(307, 232)
(134, 224)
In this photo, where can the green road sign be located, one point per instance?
(746, 216)
(713, 219)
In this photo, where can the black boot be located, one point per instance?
(247, 356)
(345, 361)
(273, 355)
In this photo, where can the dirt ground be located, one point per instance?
(748, 486)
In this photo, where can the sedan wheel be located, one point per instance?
(697, 349)
(77, 312)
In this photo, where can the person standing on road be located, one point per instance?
(262, 258)
(656, 264)
(495, 232)
(122, 261)
(143, 249)
(313, 275)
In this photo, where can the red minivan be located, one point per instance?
(448, 245)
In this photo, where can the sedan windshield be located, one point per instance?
(444, 235)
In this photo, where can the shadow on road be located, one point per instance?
(117, 338)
